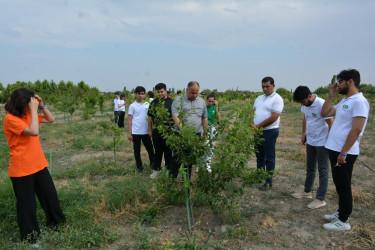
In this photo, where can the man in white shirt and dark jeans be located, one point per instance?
(315, 130)
(343, 141)
(138, 127)
(115, 104)
(267, 109)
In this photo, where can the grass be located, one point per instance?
(109, 205)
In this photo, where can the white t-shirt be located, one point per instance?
(115, 103)
(264, 105)
(122, 108)
(139, 121)
(316, 127)
(349, 107)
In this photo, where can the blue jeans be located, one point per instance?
(116, 116)
(265, 152)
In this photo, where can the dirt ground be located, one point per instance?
(264, 220)
(272, 219)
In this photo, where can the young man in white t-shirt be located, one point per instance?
(315, 130)
(343, 141)
(267, 109)
(115, 104)
(138, 127)
(121, 111)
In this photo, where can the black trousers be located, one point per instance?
(146, 140)
(121, 118)
(161, 148)
(342, 177)
(25, 189)
(176, 164)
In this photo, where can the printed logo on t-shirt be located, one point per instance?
(313, 114)
(345, 106)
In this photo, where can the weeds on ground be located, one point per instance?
(363, 238)
(97, 195)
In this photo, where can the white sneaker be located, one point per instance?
(331, 217)
(316, 204)
(154, 174)
(209, 168)
(302, 195)
(337, 225)
(35, 245)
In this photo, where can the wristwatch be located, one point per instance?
(43, 107)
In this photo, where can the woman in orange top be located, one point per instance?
(28, 165)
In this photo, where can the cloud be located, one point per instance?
(208, 24)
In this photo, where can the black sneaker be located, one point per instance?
(265, 187)
(140, 170)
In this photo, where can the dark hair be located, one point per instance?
(117, 93)
(192, 83)
(160, 86)
(122, 95)
(301, 93)
(151, 94)
(19, 100)
(212, 94)
(179, 92)
(139, 89)
(268, 79)
(350, 74)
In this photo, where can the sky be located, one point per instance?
(222, 44)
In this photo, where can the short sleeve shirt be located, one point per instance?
(194, 111)
(316, 127)
(122, 108)
(211, 115)
(350, 107)
(115, 103)
(264, 106)
(26, 154)
(139, 120)
(167, 104)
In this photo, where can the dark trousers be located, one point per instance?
(116, 115)
(161, 148)
(176, 163)
(121, 118)
(265, 152)
(25, 189)
(342, 177)
(146, 140)
(317, 155)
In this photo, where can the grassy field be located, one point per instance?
(109, 206)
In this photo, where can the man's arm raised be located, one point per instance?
(327, 108)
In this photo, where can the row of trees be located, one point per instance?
(49, 90)
(66, 97)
